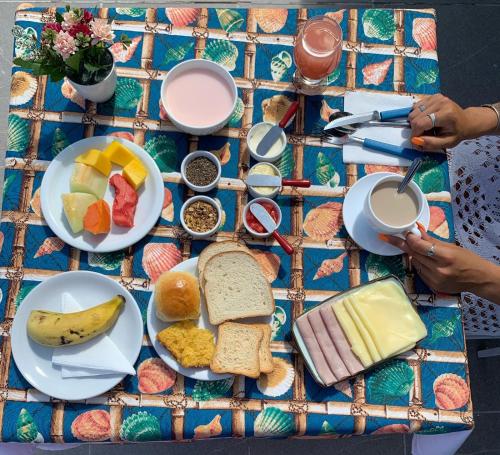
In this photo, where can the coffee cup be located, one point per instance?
(392, 213)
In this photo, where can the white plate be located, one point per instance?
(357, 224)
(34, 361)
(56, 182)
(156, 325)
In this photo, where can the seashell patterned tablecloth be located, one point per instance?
(393, 51)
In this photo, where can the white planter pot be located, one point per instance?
(100, 92)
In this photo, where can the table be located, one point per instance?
(425, 390)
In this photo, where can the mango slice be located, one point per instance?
(97, 160)
(117, 153)
(135, 173)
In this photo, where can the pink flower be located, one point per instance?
(65, 44)
(79, 28)
(70, 18)
(52, 26)
(87, 16)
(101, 31)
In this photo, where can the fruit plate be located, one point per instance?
(56, 182)
(34, 361)
(156, 325)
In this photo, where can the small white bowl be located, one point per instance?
(247, 208)
(190, 157)
(252, 189)
(265, 158)
(197, 64)
(213, 202)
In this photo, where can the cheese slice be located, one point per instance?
(351, 332)
(388, 316)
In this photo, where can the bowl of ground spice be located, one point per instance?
(201, 216)
(201, 171)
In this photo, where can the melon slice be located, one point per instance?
(85, 179)
(75, 207)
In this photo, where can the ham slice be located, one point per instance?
(124, 203)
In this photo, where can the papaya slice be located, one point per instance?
(97, 220)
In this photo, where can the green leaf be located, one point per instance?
(125, 40)
(74, 61)
(90, 67)
(68, 8)
(59, 18)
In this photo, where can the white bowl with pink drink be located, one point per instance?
(199, 96)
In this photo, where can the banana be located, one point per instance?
(61, 329)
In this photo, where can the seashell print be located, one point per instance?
(106, 261)
(278, 321)
(158, 258)
(325, 172)
(23, 6)
(163, 112)
(21, 295)
(444, 329)
(344, 387)
(393, 428)
(323, 222)
(49, 246)
(8, 182)
(132, 12)
(211, 429)
(123, 135)
(155, 376)
(280, 64)
(372, 168)
(35, 203)
(379, 23)
(424, 33)
(337, 16)
(450, 391)
(167, 212)
(25, 42)
(178, 53)
(223, 52)
(279, 381)
(273, 422)
(271, 20)
(224, 153)
(438, 223)
(237, 113)
(23, 86)
(330, 266)
(18, 135)
(180, 17)
(26, 429)
(269, 263)
(69, 92)
(332, 77)
(326, 111)
(379, 266)
(123, 53)
(286, 163)
(375, 73)
(141, 426)
(164, 151)
(92, 426)
(59, 142)
(223, 214)
(389, 382)
(426, 77)
(326, 428)
(274, 108)
(430, 177)
(128, 93)
(208, 390)
(229, 19)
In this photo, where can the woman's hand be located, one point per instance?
(451, 269)
(452, 123)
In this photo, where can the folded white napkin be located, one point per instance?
(358, 103)
(96, 357)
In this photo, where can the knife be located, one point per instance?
(275, 132)
(369, 116)
(269, 225)
(274, 180)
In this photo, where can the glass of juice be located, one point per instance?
(318, 49)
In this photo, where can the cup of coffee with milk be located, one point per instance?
(391, 212)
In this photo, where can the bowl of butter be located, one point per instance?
(264, 191)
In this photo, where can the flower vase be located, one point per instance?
(100, 92)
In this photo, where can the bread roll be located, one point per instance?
(177, 297)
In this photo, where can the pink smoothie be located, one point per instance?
(199, 97)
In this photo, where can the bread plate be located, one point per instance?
(156, 325)
(56, 181)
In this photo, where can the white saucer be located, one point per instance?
(359, 227)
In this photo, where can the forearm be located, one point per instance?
(480, 121)
(487, 284)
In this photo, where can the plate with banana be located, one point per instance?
(109, 314)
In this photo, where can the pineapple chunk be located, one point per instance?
(117, 153)
(97, 160)
(75, 207)
(135, 173)
(85, 179)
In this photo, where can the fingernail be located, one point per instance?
(383, 237)
(418, 141)
(421, 227)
